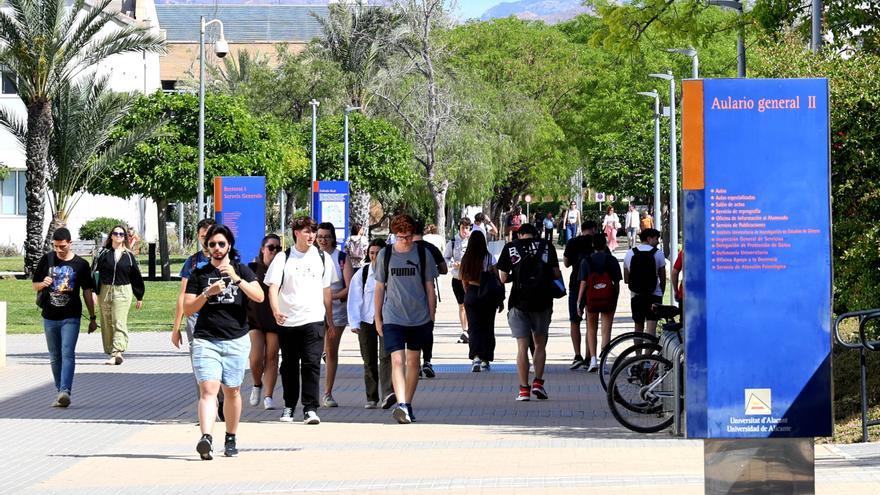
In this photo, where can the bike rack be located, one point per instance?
(863, 345)
(673, 350)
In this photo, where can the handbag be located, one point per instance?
(43, 294)
(491, 288)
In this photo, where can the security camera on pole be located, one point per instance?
(221, 48)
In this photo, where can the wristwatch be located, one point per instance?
(93, 318)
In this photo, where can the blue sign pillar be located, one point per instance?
(240, 204)
(757, 284)
(330, 200)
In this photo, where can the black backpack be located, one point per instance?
(643, 277)
(422, 259)
(532, 276)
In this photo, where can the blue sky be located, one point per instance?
(475, 8)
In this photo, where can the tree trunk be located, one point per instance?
(438, 194)
(57, 222)
(360, 208)
(290, 208)
(161, 212)
(39, 129)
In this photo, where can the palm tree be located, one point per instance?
(47, 44)
(80, 148)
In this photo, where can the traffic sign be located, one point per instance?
(600, 197)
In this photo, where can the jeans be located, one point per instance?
(570, 231)
(301, 349)
(61, 336)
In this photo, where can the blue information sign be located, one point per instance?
(240, 204)
(757, 290)
(330, 200)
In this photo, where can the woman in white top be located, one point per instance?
(572, 221)
(326, 241)
(433, 237)
(356, 246)
(361, 319)
(610, 226)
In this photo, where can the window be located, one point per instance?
(8, 87)
(12, 198)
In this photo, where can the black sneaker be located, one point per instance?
(229, 449)
(463, 338)
(577, 362)
(389, 401)
(205, 447)
(428, 370)
(412, 417)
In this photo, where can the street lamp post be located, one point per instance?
(347, 111)
(673, 168)
(695, 60)
(656, 96)
(221, 48)
(740, 38)
(816, 38)
(314, 103)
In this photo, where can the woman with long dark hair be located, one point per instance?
(119, 281)
(219, 292)
(479, 307)
(264, 330)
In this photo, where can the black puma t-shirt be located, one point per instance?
(224, 316)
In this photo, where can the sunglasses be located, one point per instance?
(273, 247)
(220, 244)
(118, 234)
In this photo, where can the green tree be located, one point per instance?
(165, 168)
(46, 45)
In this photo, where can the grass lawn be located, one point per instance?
(23, 316)
(16, 263)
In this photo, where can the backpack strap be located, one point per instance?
(422, 260)
(364, 275)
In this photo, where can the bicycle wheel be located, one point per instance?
(636, 391)
(617, 345)
(643, 349)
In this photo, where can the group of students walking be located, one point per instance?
(298, 302)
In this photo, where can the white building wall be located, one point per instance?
(133, 72)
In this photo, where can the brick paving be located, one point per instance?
(131, 430)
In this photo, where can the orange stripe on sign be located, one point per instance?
(315, 186)
(692, 144)
(218, 193)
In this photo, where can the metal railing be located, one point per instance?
(863, 345)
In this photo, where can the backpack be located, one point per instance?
(600, 287)
(364, 274)
(643, 272)
(532, 276)
(355, 248)
(422, 259)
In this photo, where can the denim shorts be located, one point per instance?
(221, 360)
(399, 337)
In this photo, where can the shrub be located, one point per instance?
(9, 250)
(94, 228)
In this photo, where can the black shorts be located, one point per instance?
(399, 337)
(458, 290)
(641, 308)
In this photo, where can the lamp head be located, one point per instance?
(690, 52)
(667, 77)
(221, 48)
(351, 109)
(652, 94)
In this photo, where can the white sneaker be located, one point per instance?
(476, 365)
(287, 415)
(594, 365)
(328, 401)
(256, 393)
(371, 405)
(268, 403)
(311, 418)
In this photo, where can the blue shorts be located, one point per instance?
(399, 337)
(221, 360)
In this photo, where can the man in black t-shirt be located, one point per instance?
(58, 278)
(576, 249)
(529, 309)
(442, 269)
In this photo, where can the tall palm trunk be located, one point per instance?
(39, 130)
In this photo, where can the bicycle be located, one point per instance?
(640, 389)
(623, 346)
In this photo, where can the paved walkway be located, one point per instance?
(131, 430)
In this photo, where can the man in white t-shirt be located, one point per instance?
(299, 294)
(632, 224)
(644, 270)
